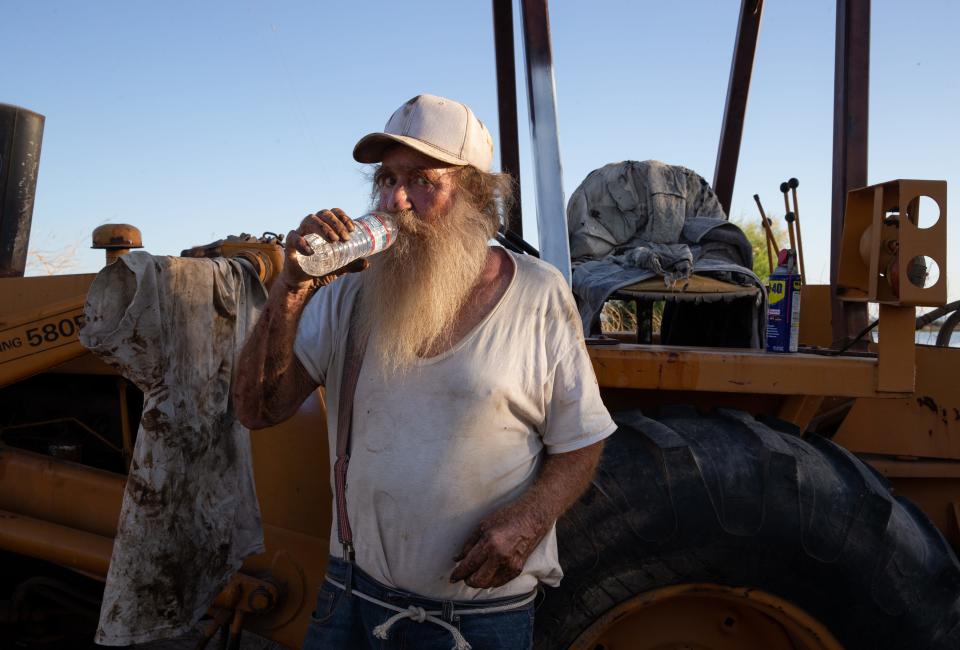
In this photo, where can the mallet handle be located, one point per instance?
(764, 222)
(796, 215)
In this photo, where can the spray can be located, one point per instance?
(783, 308)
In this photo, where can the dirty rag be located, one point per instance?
(673, 261)
(189, 515)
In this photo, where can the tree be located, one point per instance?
(758, 241)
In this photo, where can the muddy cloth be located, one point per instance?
(631, 221)
(173, 326)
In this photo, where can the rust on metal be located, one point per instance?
(117, 235)
(920, 424)
(117, 239)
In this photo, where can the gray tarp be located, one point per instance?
(631, 221)
(189, 515)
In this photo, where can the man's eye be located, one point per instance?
(387, 181)
(421, 181)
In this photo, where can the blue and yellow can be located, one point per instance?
(783, 312)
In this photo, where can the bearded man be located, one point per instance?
(476, 418)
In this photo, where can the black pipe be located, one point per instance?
(507, 103)
(21, 133)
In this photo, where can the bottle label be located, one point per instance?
(377, 231)
(783, 313)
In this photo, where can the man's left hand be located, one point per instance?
(496, 551)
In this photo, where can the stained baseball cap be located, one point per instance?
(438, 127)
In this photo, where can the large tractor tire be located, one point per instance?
(721, 532)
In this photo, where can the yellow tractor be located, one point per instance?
(748, 499)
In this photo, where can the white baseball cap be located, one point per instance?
(440, 128)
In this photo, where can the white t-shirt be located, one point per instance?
(174, 327)
(461, 434)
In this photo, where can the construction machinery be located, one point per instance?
(748, 500)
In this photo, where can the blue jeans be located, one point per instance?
(346, 622)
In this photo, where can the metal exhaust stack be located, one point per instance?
(542, 103)
(21, 132)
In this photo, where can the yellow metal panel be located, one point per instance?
(915, 468)
(815, 315)
(290, 466)
(916, 241)
(864, 250)
(38, 339)
(59, 491)
(800, 409)
(733, 371)
(299, 563)
(933, 486)
(925, 424)
(24, 295)
(61, 545)
(896, 349)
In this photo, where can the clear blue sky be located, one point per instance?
(195, 120)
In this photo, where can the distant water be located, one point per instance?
(929, 337)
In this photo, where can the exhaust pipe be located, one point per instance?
(21, 132)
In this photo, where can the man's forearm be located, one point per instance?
(269, 383)
(562, 479)
(496, 551)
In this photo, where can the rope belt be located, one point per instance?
(421, 615)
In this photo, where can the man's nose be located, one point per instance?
(395, 199)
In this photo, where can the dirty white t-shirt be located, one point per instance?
(462, 434)
(173, 326)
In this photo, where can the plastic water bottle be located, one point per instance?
(374, 232)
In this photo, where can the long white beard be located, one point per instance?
(413, 293)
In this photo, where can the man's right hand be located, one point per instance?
(333, 225)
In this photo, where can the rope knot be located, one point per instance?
(414, 613)
(417, 614)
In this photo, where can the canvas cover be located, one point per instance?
(630, 221)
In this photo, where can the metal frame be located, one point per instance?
(542, 104)
(851, 112)
(851, 98)
(735, 110)
(507, 104)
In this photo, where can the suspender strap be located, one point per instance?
(352, 362)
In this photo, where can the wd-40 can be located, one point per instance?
(783, 310)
